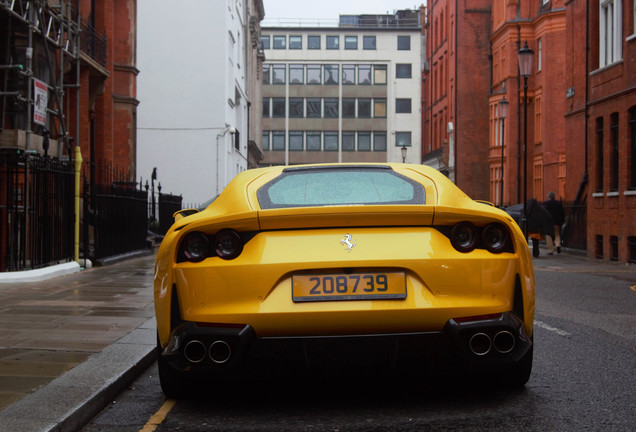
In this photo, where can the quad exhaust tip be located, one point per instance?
(504, 342)
(220, 351)
(480, 344)
(194, 351)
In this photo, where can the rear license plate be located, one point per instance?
(357, 286)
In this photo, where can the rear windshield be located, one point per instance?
(333, 186)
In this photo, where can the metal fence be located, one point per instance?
(36, 210)
(118, 215)
(168, 205)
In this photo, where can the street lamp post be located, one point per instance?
(525, 67)
(503, 113)
(403, 153)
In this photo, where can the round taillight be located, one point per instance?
(228, 244)
(196, 247)
(464, 237)
(495, 237)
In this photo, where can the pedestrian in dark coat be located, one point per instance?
(539, 224)
(555, 208)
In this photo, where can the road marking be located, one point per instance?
(158, 417)
(550, 328)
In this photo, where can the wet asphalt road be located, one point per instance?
(583, 379)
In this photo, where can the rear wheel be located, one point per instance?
(174, 384)
(519, 374)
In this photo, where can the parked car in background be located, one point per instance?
(331, 269)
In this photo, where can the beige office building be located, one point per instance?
(346, 93)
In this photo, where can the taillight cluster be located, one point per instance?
(494, 237)
(196, 246)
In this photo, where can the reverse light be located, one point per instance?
(495, 237)
(196, 247)
(228, 244)
(464, 237)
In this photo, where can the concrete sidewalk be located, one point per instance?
(69, 344)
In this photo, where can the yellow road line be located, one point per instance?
(158, 417)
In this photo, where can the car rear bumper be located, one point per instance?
(236, 351)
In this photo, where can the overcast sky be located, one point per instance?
(330, 9)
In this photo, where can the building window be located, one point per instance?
(598, 246)
(296, 141)
(403, 70)
(379, 108)
(364, 108)
(614, 152)
(539, 54)
(404, 43)
(364, 74)
(351, 42)
(331, 141)
(266, 112)
(278, 107)
(364, 141)
(331, 108)
(403, 139)
(313, 141)
(348, 141)
(266, 140)
(599, 154)
(631, 248)
(296, 42)
(379, 141)
(403, 106)
(610, 32)
(278, 140)
(331, 74)
(348, 108)
(265, 42)
(333, 42)
(313, 42)
(613, 248)
(295, 109)
(632, 147)
(278, 73)
(368, 42)
(279, 42)
(314, 75)
(348, 74)
(314, 108)
(296, 74)
(266, 74)
(379, 74)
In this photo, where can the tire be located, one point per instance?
(174, 384)
(519, 374)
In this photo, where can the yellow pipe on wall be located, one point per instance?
(78, 168)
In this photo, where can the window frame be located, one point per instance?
(368, 39)
(404, 43)
(351, 42)
(400, 70)
(314, 38)
(400, 104)
(329, 42)
(279, 38)
(298, 40)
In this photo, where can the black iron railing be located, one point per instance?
(36, 210)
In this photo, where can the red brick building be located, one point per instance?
(455, 87)
(601, 123)
(580, 112)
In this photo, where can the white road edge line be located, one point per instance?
(550, 328)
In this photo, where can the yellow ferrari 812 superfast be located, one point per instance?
(343, 269)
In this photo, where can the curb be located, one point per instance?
(39, 274)
(70, 401)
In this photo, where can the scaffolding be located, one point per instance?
(41, 45)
